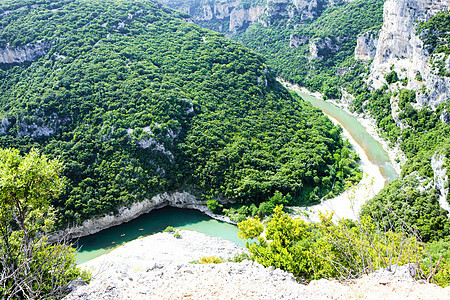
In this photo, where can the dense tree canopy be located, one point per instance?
(137, 101)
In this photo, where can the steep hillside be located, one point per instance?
(387, 60)
(234, 16)
(311, 43)
(136, 101)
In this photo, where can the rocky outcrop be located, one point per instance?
(34, 125)
(400, 47)
(240, 14)
(296, 41)
(157, 267)
(241, 17)
(30, 52)
(366, 46)
(440, 179)
(319, 47)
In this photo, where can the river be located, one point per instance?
(374, 162)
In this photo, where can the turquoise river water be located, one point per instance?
(156, 221)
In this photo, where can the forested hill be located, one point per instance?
(136, 101)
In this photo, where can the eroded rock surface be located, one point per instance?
(401, 50)
(157, 267)
(30, 52)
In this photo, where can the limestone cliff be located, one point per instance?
(235, 15)
(399, 46)
(28, 52)
(366, 46)
(126, 214)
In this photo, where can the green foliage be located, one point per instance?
(30, 266)
(169, 229)
(282, 245)
(177, 235)
(211, 260)
(214, 206)
(401, 205)
(436, 250)
(350, 249)
(434, 32)
(140, 105)
(345, 249)
(391, 77)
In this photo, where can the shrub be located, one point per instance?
(210, 260)
(214, 206)
(391, 77)
(169, 229)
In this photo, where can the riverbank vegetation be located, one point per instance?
(135, 101)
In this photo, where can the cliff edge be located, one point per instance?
(158, 267)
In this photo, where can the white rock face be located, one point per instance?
(4, 125)
(177, 199)
(239, 17)
(366, 46)
(28, 52)
(440, 179)
(240, 14)
(398, 45)
(295, 41)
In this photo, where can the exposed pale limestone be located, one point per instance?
(366, 46)
(4, 125)
(30, 52)
(241, 14)
(157, 267)
(295, 41)
(316, 45)
(400, 47)
(125, 214)
(440, 179)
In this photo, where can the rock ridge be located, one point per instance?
(399, 48)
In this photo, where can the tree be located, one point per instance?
(31, 266)
(283, 244)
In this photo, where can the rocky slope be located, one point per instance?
(234, 15)
(399, 48)
(157, 267)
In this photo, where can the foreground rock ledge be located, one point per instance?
(157, 267)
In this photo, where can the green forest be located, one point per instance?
(105, 103)
(136, 101)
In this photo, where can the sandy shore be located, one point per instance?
(348, 204)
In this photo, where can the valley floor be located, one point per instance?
(158, 267)
(348, 204)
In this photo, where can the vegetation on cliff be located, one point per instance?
(334, 33)
(137, 101)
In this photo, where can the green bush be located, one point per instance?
(391, 77)
(169, 229)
